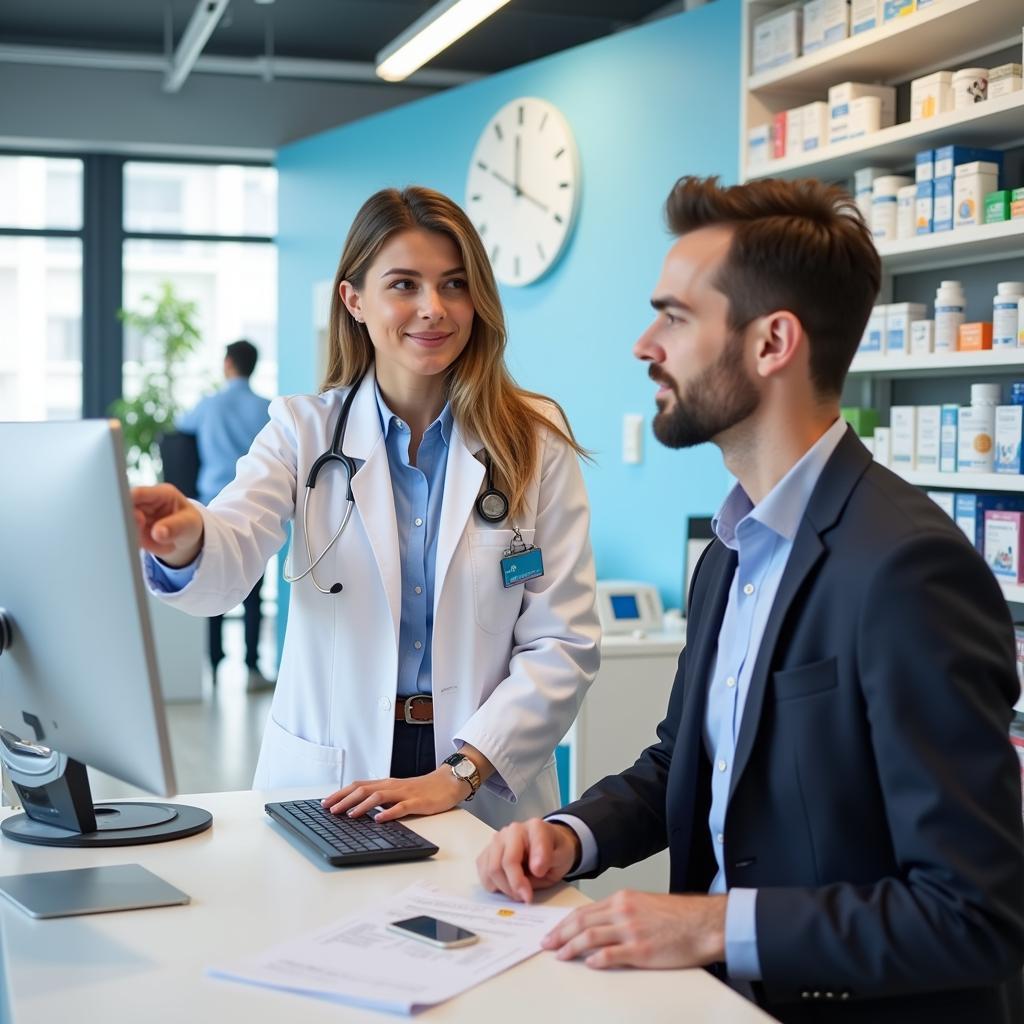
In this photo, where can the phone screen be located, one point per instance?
(433, 930)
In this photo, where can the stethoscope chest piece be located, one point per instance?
(492, 506)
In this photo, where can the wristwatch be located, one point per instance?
(464, 770)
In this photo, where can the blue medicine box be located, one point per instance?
(949, 158)
(970, 512)
(942, 204)
(924, 165)
(924, 208)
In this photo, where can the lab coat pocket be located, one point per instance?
(289, 760)
(497, 607)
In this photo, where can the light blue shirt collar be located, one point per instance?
(783, 507)
(388, 418)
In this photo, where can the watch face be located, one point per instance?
(522, 188)
(465, 769)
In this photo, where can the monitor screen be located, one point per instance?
(624, 606)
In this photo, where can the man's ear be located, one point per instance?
(779, 339)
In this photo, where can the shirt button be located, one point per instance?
(417, 645)
(722, 766)
(418, 521)
(419, 590)
(748, 589)
(719, 839)
(385, 704)
(731, 681)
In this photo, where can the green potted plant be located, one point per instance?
(167, 327)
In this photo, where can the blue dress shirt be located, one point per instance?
(418, 492)
(225, 425)
(762, 536)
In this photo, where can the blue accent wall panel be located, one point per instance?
(646, 106)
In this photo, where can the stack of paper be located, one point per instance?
(359, 962)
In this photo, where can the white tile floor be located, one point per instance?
(215, 741)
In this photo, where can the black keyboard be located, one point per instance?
(342, 840)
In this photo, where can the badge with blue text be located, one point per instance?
(520, 562)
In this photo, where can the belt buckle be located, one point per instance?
(407, 709)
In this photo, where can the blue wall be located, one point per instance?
(646, 106)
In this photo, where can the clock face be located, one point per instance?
(522, 190)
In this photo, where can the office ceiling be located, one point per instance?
(342, 30)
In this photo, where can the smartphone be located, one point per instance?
(437, 933)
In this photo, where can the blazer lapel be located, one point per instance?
(463, 476)
(841, 473)
(371, 489)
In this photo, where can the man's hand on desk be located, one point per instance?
(643, 929)
(526, 856)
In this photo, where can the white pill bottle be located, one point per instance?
(950, 304)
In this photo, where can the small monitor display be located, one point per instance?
(624, 606)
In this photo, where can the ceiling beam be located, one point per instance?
(205, 16)
(255, 67)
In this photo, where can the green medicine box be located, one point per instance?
(1017, 195)
(997, 207)
(863, 419)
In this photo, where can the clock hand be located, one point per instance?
(516, 176)
(519, 191)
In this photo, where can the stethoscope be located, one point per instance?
(491, 505)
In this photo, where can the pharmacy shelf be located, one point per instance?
(939, 364)
(981, 244)
(896, 50)
(1012, 591)
(997, 123)
(999, 482)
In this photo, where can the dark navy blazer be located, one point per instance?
(876, 799)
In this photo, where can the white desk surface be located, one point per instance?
(252, 887)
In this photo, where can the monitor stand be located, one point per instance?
(57, 800)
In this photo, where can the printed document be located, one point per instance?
(357, 961)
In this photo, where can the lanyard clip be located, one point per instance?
(517, 545)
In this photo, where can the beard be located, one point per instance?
(718, 398)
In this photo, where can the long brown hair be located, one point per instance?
(484, 398)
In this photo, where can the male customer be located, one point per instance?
(225, 425)
(833, 777)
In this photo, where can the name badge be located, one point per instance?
(520, 566)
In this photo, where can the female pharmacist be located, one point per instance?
(441, 630)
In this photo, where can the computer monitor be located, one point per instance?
(78, 673)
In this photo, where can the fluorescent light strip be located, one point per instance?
(429, 35)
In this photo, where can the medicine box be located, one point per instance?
(924, 165)
(794, 131)
(972, 183)
(948, 158)
(975, 445)
(903, 436)
(942, 204)
(997, 207)
(814, 26)
(863, 419)
(864, 15)
(1009, 423)
(931, 95)
(970, 512)
(777, 38)
(1003, 532)
(945, 501)
(924, 204)
(759, 145)
(922, 337)
(948, 426)
(815, 125)
(898, 318)
(926, 454)
(779, 135)
(897, 9)
(883, 447)
(974, 337)
(875, 334)
(841, 111)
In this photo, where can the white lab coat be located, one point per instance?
(510, 667)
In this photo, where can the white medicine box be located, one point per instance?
(903, 436)
(929, 424)
(1009, 422)
(847, 117)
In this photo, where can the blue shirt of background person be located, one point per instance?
(225, 424)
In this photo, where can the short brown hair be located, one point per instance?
(801, 246)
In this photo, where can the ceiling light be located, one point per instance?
(429, 35)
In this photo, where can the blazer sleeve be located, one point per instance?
(626, 812)
(245, 525)
(935, 654)
(556, 640)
